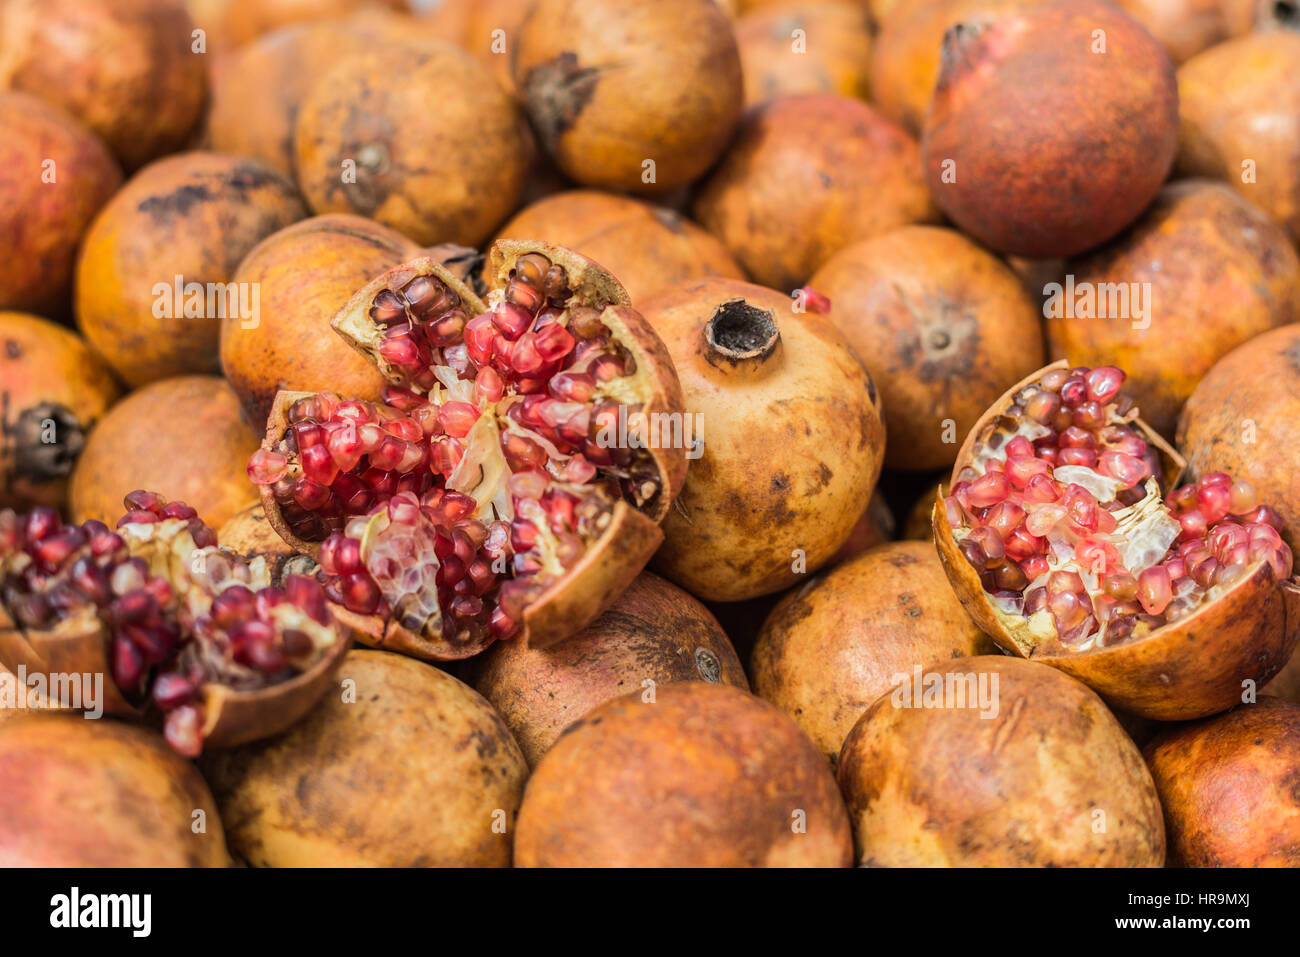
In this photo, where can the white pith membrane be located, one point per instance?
(174, 610)
(514, 473)
(1133, 568)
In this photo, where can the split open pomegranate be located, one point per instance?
(177, 624)
(512, 477)
(1069, 540)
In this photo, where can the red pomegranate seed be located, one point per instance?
(457, 418)
(488, 385)
(1074, 391)
(1242, 498)
(1076, 456)
(523, 535)
(1041, 488)
(1213, 501)
(1103, 383)
(307, 594)
(1155, 590)
(400, 351)
(523, 295)
(388, 307)
(1042, 406)
(479, 336)
(318, 464)
(554, 342)
(511, 320)
(1022, 544)
(1120, 585)
(1193, 525)
(529, 484)
(404, 509)
(171, 691)
(1018, 446)
(266, 467)
(360, 594)
(989, 542)
(501, 625)
(446, 453)
(182, 730)
(128, 664)
(467, 606)
(989, 489)
(42, 521)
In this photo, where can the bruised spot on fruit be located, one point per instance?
(671, 220)
(556, 93)
(13, 349)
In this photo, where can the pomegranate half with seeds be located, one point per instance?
(176, 624)
(1069, 541)
(513, 475)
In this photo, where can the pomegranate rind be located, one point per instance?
(77, 645)
(1186, 669)
(362, 333)
(276, 425)
(374, 631)
(591, 283)
(232, 718)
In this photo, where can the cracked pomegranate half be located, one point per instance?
(177, 624)
(513, 475)
(1069, 541)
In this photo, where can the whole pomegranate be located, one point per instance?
(807, 176)
(997, 762)
(906, 55)
(123, 67)
(1244, 419)
(249, 19)
(640, 97)
(1240, 108)
(1047, 156)
(53, 388)
(255, 100)
(1186, 27)
(54, 176)
(1228, 786)
(1200, 273)
(175, 624)
(700, 775)
(306, 273)
(791, 433)
(654, 634)
(1069, 541)
(101, 794)
(186, 435)
(647, 247)
(154, 270)
(510, 481)
(942, 325)
(406, 767)
(832, 647)
(367, 142)
(799, 46)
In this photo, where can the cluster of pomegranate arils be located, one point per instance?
(168, 631)
(1059, 512)
(355, 474)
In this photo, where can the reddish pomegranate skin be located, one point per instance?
(1048, 155)
(1228, 787)
(55, 175)
(101, 794)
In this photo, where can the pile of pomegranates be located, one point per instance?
(740, 432)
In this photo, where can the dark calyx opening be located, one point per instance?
(739, 331)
